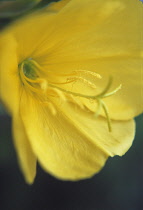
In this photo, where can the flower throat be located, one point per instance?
(34, 78)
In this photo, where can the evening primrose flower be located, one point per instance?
(70, 77)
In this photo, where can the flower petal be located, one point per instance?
(10, 92)
(116, 142)
(26, 157)
(27, 30)
(128, 101)
(71, 144)
(9, 77)
(112, 45)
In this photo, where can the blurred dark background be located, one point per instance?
(119, 186)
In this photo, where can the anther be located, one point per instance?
(89, 73)
(59, 94)
(87, 82)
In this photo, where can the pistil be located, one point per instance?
(31, 76)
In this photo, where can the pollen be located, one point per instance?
(83, 80)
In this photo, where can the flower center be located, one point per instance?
(37, 80)
(29, 69)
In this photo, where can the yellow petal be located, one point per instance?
(34, 23)
(112, 47)
(101, 36)
(26, 157)
(128, 101)
(9, 76)
(114, 143)
(72, 145)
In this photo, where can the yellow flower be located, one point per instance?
(55, 80)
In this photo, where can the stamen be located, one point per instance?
(36, 65)
(60, 74)
(89, 73)
(113, 92)
(99, 107)
(95, 97)
(107, 115)
(60, 94)
(87, 82)
(106, 88)
(98, 98)
(62, 83)
(36, 79)
(44, 85)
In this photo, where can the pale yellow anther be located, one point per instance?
(85, 81)
(44, 85)
(60, 94)
(86, 72)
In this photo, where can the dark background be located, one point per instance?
(119, 186)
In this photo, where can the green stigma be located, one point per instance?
(29, 69)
